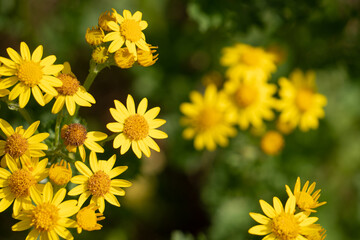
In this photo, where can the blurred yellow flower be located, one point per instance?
(281, 223)
(70, 93)
(272, 142)
(98, 182)
(87, 219)
(127, 29)
(60, 173)
(49, 217)
(16, 184)
(300, 104)
(304, 199)
(30, 73)
(20, 143)
(75, 136)
(253, 99)
(94, 36)
(137, 129)
(245, 61)
(209, 119)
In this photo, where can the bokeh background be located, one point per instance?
(183, 194)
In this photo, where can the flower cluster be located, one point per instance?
(293, 221)
(46, 173)
(128, 45)
(248, 99)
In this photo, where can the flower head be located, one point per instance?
(136, 129)
(94, 36)
(300, 104)
(70, 93)
(100, 55)
(20, 143)
(147, 58)
(127, 29)
(209, 119)
(123, 58)
(87, 218)
(98, 182)
(75, 136)
(304, 199)
(30, 74)
(104, 18)
(317, 232)
(60, 173)
(281, 223)
(17, 183)
(49, 217)
(272, 142)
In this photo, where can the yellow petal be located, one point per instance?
(267, 209)
(6, 128)
(24, 97)
(83, 169)
(130, 104)
(32, 129)
(154, 133)
(39, 97)
(37, 54)
(142, 106)
(25, 52)
(117, 171)
(112, 199)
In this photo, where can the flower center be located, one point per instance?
(87, 218)
(70, 84)
(60, 173)
(73, 134)
(251, 57)
(16, 145)
(131, 30)
(207, 119)
(20, 182)
(285, 226)
(30, 73)
(304, 99)
(272, 142)
(136, 127)
(245, 96)
(304, 200)
(45, 217)
(99, 184)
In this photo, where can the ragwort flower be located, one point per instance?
(136, 129)
(98, 182)
(60, 173)
(21, 144)
(30, 74)
(87, 219)
(49, 218)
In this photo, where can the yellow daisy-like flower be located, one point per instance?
(70, 93)
(136, 128)
(127, 29)
(75, 136)
(87, 219)
(272, 142)
(304, 199)
(209, 119)
(300, 104)
(123, 58)
(147, 58)
(279, 223)
(30, 73)
(253, 99)
(49, 218)
(98, 182)
(16, 184)
(248, 62)
(20, 143)
(60, 173)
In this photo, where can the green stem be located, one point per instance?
(57, 128)
(93, 72)
(111, 137)
(26, 115)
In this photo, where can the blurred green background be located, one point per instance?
(182, 194)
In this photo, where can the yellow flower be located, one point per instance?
(21, 144)
(209, 119)
(87, 219)
(253, 99)
(317, 233)
(16, 184)
(127, 29)
(123, 58)
(304, 199)
(100, 55)
(49, 218)
(246, 61)
(30, 73)
(60, 173)
(75, 136)
(70, 93)
(272, 142)
(300, 104)
(94, 36)
(136, 128)
(98, 182)
(279, 223)
(104, 18)
(147, 58)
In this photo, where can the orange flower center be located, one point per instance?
(73, 134)
(45, 217)
(16, 145)
(99, 184)
(70, 84)
(207, 119)
(131, 30)
(285, 226)
(20, 182)
(245, 96)
(30, 73)
(136, 127)
(60, 173)
(304, 99)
